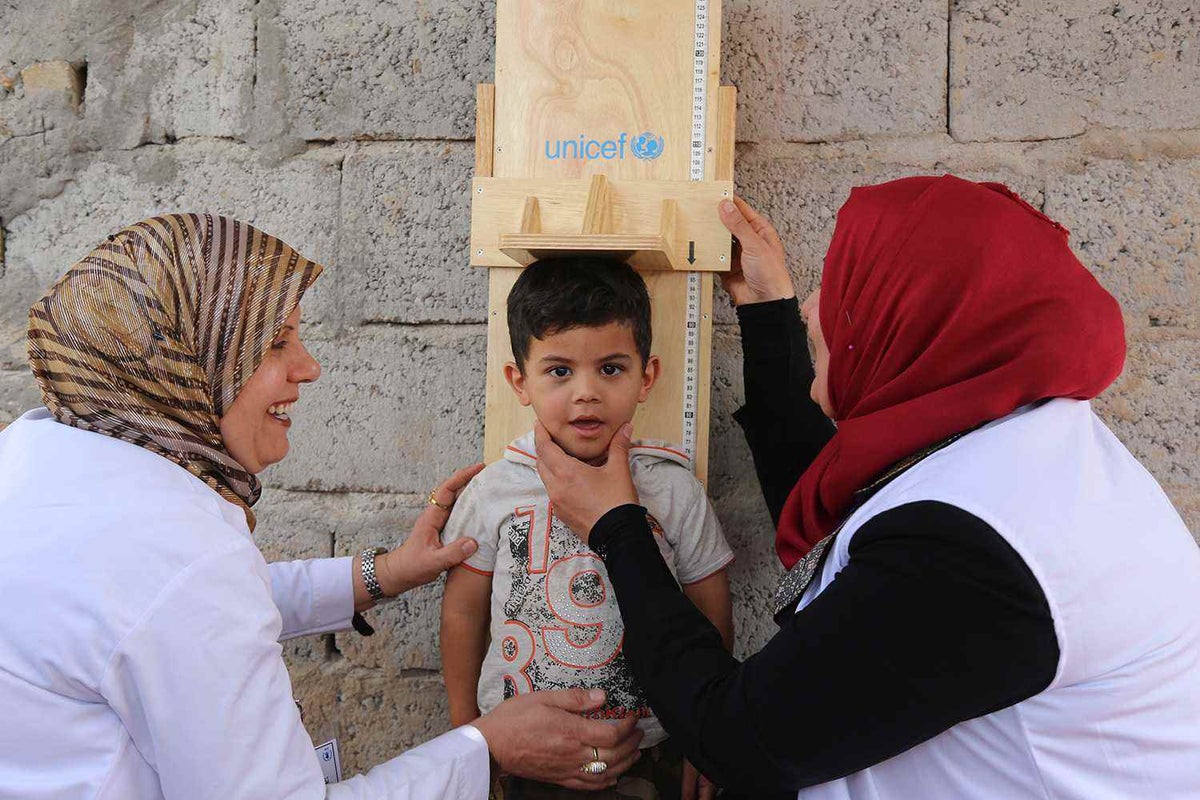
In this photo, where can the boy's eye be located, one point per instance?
(611, 369)
(560, 372)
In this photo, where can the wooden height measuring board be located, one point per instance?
(607, 132)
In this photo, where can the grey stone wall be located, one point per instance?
(345, 128)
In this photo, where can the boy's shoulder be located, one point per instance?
(490, 498)
(503, 476)
(663, 468)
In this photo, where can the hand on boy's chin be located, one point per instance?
(593, 452)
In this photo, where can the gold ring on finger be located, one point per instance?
(433, 501)
(594, 767)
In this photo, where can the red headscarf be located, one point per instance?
(945, 304)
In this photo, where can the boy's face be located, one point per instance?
(584, 384)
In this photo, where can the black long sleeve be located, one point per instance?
(934, 620)
(784, 427)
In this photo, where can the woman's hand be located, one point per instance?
(422, 557)
(542, 736)
(581, 493)
(759, 272)
(695, 785)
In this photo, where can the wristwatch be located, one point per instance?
(367, 559)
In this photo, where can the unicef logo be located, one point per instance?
(647, 146)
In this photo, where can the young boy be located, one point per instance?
(580, 332)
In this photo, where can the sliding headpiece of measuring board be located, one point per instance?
(606, 132)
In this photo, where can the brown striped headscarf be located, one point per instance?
(150, 337)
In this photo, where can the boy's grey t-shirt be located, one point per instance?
(555, 623)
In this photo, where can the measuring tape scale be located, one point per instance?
(691, 342)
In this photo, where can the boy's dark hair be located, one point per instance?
(556, 294)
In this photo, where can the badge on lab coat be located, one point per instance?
(331, 761)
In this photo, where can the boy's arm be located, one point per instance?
(465, 615)
(711, 596)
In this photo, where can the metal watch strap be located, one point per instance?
(368, 572)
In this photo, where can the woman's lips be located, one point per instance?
(279, 413)
(284, 421)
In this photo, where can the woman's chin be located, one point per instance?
(272, 458)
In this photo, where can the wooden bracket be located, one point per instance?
(726, 131)
(654, 225)
(597, 215)
(485, 121)
(596, 237)
(668, 223)
(531, 216)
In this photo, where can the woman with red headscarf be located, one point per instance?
(987, 596)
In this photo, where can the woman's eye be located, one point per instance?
(611, 369)
(279, 345)
(560, 372)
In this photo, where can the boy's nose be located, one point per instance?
(586, 391)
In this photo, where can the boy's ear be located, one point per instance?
(649, 376)
(516, 379)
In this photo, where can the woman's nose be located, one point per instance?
(307, 369)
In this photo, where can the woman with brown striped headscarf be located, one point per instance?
(152, 336)
(139, 653)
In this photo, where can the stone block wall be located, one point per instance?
(345, 129)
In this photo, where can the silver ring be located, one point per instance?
(594, 767)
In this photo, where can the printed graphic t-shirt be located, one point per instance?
(555, 623)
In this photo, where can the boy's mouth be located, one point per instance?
(587, 427)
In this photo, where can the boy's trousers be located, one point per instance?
(655, 776)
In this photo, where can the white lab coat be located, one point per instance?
(139, 639)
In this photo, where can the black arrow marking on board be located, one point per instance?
(692, 252)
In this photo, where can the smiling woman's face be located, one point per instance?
(819, 392)
(255, 427)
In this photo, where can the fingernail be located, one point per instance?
(469, 546)
(596, 695)
(727, 206)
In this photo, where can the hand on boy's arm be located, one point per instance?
(421, 557)
(581, 493)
